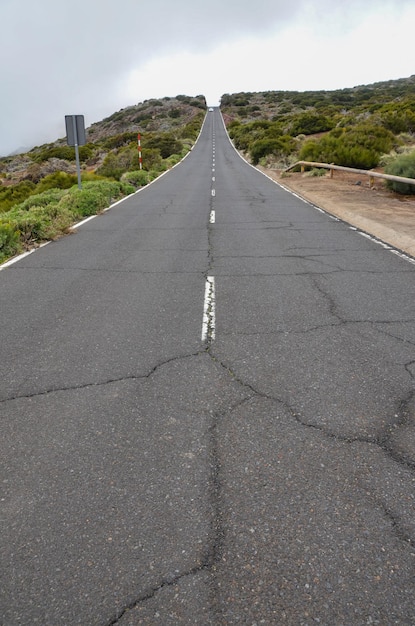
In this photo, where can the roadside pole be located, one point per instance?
(78, 166)
(140, 160)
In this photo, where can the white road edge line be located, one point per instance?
(398, 253)
(21, 256)
(87, 219)
(208, 324)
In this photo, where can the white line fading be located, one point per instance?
(208, 324)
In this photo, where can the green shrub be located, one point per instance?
(117, 141)
(14, 195)
(155, 103)
(64, 152)
(317, 171)
(91, 177)
(280, 146)
(371, 136)
(85, 202)
(110, 167)
(57, 180)
(331, 150)
(241, 137)
(153, 174)
(226, 100)
(116, 163)
(42, 223)
(399, 117)
(151, 158)
(137, 178)
(52, 196)
(198, 104)
(31, 225)
(95, 196)
(9, 240)
(47, 215)
(260, 136)
(358, 146)
(403, 165)
(10, 196)
(60, 152)
(113, 190)
(192, 129)
(166, 143)
(310, 123)
(173, 160)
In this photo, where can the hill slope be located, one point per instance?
(362, 123)
(177, 117)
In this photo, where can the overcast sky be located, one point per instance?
(94, 57)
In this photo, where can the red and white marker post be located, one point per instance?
(140, 160)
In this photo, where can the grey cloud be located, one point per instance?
(61, 56)
(66, 55)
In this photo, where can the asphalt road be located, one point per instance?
(207, 413)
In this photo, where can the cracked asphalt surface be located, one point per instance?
(265, 475)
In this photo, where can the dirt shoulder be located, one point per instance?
(377, 211)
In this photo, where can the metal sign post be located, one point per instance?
(78, 165)
(76, 136)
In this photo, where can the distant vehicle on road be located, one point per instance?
(210, 109)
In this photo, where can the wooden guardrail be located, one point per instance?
(372, 175)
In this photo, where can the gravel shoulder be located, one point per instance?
(376, 210)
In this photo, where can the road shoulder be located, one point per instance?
(376, 210)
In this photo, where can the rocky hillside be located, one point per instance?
(149, 116)
(248, 106)
(164, 117)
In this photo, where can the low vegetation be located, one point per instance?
(48, 215)
(359, 127)
(403, 165)
(359, 146)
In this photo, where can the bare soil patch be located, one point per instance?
(377, 211)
